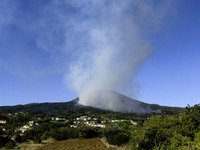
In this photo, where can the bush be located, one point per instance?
(121, 138)
(37, 139)
(1, 132)
(10, 145)
(111, 130)
(46, 135)
(73, 133)
(152, 137)
(90, 132)
(18, 138)
(31, 134)
(178, 141)
(3, 141)
(60, 134)
(197, 138)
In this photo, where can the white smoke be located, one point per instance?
(114, 45)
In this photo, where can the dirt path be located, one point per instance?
(108, 145)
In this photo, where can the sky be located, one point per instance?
(56, 50)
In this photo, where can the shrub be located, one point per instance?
(1, 132)
(10, 145)
(46, 135)
(111, 130)
(90, 132)
(178, 141)
(3, 141)
(152, 137)
(37, 139)
(60, 135)
(121, 138)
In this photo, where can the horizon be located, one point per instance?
(78, 97)
(55, 51)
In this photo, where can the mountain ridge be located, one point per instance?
(73, 105)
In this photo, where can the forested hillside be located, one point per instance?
(65, 107)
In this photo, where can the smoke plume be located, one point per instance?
(113, 45)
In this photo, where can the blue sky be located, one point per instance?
(53, 51)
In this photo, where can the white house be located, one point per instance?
(3, 121)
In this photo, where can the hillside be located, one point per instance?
(114, 101)
(65, 107)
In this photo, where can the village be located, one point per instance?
(82, 120)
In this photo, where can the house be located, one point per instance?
(4, 129)
(98, 125)
(37, 124)
(3, 121)
(31, 123)
(59, 118)
(114, 120)
(103, 122)
(24, 128)
(83, 118)
(133, 122)
(73, 126)
(91, 122)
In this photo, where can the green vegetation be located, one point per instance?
(60, 109)
(169, 132)
(152, 132)
(9, 145)
(37, 139)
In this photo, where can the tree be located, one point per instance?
(37, 139)
(125, 125)
(121, 138)
(194, 114)
(152, 137)
(1, 132)
(111, 130)
(10, 145)
(178, 142)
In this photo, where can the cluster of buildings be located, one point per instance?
(87, 121)
(24, 128)
(3, 122)
(94, 122)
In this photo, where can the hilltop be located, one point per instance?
(73, 105)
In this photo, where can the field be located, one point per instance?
(30, 145)
(76, 144)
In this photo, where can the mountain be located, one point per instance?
(111, 100)
(107, 101)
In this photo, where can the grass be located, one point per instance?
(30, 145)
(76, 144)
